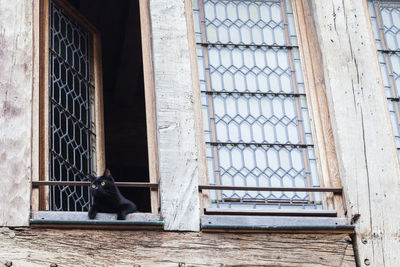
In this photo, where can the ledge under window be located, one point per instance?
(237, 223)
(61, 219)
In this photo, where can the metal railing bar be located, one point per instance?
(84, 183)
(253, 93)
(258, 144)
(247, 45)
(335, 190)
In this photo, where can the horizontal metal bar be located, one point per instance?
(335, 190)
(387, 51)
(248, 45)
(83, 183)
(59, 157)
(313, 228)
(258, 144)
(394, 99)
(252, 93)
(304, 213)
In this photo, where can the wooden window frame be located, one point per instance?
(312, 68)
(40, 137)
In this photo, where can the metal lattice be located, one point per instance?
(71, 110)
(255, 113)
(385, 18)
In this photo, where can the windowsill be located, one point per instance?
(238, 223)
(59, 219)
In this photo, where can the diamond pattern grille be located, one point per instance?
(71, 110)
(256, 120)
(385, 18)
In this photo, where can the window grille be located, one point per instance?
(385, 16)
(256, 121)
(71, 110)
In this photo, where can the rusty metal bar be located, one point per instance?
(36, 184)
(247, 45)
(253, 93)
(335, 190)
(258, 144)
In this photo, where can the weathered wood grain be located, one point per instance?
(16, 56)
(178, 157)
(368, 161)
(27, 247)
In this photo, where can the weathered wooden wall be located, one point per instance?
(178, 164)
(30, 247)
(369, 165)
(15, 110)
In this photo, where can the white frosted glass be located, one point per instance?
(266, 107)
(390, 41)
(245, 132)
(289, 105)
(386, 18)
(211, 34)
(277, 107)
(228, 81)
(286, 83)
(254, 107)
(248, 157)
(284, 159)
(237, 58)
(265, 13)
(297, 160)
(276, 13)
(274, 83)
(242, 11)
(283, 59)
(248, 58)
(216, 81)
(231, 11)
(222, 134)
(251, 82)
(223, 34)
(242, 106)
(280, 133)
(246, 36)
(231, 106)
(213, 56)
(209, 10)
(210, 171)
(253, 11)
(268, 35)
(196, 18)
(233, 130)
(259, 58)
(272, 159)
(219, 107)
(260, 158)
(220, 10)
(293, 134)
(234, 34)
(269, 133)
(225, 58)
(239, 82)
(227, 180)
(224, 160)
(239, 181)
(275, 182)
(236, 158)
(262, 80)
(396, 18)
(257, 133)
(271, 59)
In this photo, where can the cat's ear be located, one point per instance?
(107, 173)
(91, 177)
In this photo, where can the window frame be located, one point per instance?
(40, 136)
(312, 68)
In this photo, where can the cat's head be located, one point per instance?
(103, 185)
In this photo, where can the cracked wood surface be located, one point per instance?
(368, 160)
(35, 247)
(15, 111)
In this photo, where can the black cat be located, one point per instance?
(107, 198)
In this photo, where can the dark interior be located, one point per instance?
(123, 92)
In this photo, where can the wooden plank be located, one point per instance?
(361, 125)
(178, 155)
(86, 183)
(16, 72)
(149, 91)
(37, 247)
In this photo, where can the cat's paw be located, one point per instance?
(92, 214)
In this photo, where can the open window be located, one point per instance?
(93, 111)
(265, 123)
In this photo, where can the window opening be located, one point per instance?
(74, 103)
(385, 17)
(256, 119)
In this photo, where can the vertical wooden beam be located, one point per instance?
(150, 101)
(16, 79)
(366, 150)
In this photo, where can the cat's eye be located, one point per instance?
(93, 186)
(103, 184)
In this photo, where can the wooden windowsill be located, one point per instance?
(73, 220)
(240, 223)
